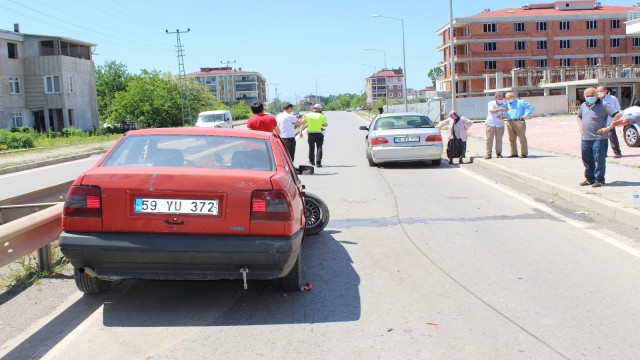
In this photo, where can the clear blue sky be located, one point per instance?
(294, 44)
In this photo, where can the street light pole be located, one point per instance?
(404, 60)
(452, 57)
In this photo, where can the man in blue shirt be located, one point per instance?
(518, 112)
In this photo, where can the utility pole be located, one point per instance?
(230, 100)
(228, 62)
(182, 76)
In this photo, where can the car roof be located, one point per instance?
(201, 131)
(214, 112)
(401, 114)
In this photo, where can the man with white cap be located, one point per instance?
(316, 122)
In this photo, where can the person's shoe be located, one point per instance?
(499, 156)
(488, 157)
(513, 156)
(460, 161)
(596, 184)
(319, 165)
(617, 156)
(311, 163)
(584, 183)
(523, 156)
(450, 161)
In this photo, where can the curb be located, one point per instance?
(30, 166)
(601, 206)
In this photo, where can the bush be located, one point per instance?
(70, 131)
(16, 140)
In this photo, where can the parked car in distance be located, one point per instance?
(402, 137)
(187, 204)
(631, 135)
(349, 109)
(215, 118)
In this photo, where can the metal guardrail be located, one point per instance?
(23, 236)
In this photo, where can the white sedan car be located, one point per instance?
(402, 137)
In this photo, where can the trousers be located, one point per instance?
(491, 133)
(517, 129)
(315, 141)
(290, 145)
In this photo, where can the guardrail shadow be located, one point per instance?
(334, 297)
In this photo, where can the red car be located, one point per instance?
(187, 203)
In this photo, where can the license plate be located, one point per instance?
(176, 206)
(406, 139)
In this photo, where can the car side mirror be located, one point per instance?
(305, 170)
(363, 127)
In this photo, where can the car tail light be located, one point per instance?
(83, 201)
(379, 140)
(270, 205)
(433, 138)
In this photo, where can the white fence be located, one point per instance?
(476, 107)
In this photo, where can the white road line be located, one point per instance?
(577, 224)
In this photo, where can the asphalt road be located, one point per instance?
(418, 262)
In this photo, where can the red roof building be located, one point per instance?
(231, 85)
(570, 33)
(385, 84)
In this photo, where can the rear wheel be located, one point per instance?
(370, 160)
(317, 213)
(631, 136)
(293, 281)
(88, 284)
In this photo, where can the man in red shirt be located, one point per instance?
(261, 121)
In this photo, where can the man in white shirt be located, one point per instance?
(286, 124)
(494, 125)
(604, 95)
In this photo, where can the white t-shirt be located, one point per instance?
(286, 124)
(492, 118)
(633, 113)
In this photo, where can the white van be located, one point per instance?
(215, 118)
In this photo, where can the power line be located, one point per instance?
(182, 76)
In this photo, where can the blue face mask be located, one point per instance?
(591, 100)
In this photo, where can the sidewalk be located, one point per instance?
(554, 165)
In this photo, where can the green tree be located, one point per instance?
(433, 74)
(241, 111)
(111, 78)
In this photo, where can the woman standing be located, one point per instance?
(457, 144)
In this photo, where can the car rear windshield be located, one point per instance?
(196, 151)
(210, 118)
(403, 122)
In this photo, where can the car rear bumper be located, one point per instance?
(177, 257)
(406, 153)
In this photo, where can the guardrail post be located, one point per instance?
(45, 262)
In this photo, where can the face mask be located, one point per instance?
(591, 99)
(509, 101)
(499, 102)
(600, 94)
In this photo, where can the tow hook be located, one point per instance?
(244, 272)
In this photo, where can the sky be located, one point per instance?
(300, 47)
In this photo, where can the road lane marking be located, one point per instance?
(575, 223)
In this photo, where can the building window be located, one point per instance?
(541, 63)
(519, 45)
(51, 84)
(592, 61)
(541, 26)
(521, 63)
(636, 42)
(14, 85)
(542, 44)
(636, 60)
(70, 84)
(490, 46)
(16, 118)
(565, 62)
(615, 23)
(518, 27)
(592, 24)
(615, 42)
(565, 25)
(12, 49)
(390, 94)
(399, 95)
(565, 44)
(615, 60)
(489, 28)
(490, 65)
(592, 43)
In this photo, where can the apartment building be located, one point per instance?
(561, 34)
(385, 83)
(231, 85)
(46, 82)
